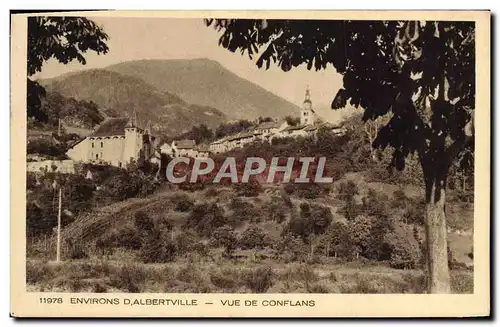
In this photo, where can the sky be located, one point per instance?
(168, 38)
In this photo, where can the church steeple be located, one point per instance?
(307, 114)
(132, 122)
(147, 131)
(308, 95)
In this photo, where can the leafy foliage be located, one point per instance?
(156, 246)
(225, 237)
(346, 192)
(46, 147)
(419, 75)
(250, 189)
(78, 113)
(205, 218)
(314, 219)
(253, 237)
(63, 38)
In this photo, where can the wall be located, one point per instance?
(80, 151)
(63, 166)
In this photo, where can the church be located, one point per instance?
(116, 142)
(307, 114)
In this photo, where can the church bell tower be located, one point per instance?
(133, 139)
(306, 114)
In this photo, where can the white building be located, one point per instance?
(166, 149)
(307, 114)
(117, 141)
(183, 148)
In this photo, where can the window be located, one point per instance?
(120, 164)
(97, 155)
(101, 144)
(92, 145)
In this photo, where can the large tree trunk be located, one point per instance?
(436, 231)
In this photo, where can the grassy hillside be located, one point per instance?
(119, 95)
(205, 267)
(206, 82)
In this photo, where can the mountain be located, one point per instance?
(119, 95)
(206, 82)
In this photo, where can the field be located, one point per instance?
(199, 276)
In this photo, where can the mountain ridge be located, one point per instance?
(120, 95)
(207, 82)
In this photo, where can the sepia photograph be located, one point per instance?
(250, 155)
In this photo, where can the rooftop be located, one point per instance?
(203, 148)
(111, 126)
(184, 144)
(268, 124)
(294, 128)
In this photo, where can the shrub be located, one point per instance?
(38, 273)
(129, 277)
(302, 273)
(298, 226)
(339, 241)
(143, 223)
(250, 189)
(76, 249)
(258, 280)
(191, 187)
(253, 237)
(125, 184)
(290, 248)
(185, 242)
(289, 188)
(276, 211)
(224, 237)
(211, 192)
(403, 253)
(182, 203)
(375, 204)
(156, 244)
(46, 147)
(310, 190)
(30, 181)
(313, 219)
(128, 238)
(244, 211)
(205, 218)
(319, 217)
(99, 287)
(318, 288)
(225, 279)
(346, 193)
(462, 283)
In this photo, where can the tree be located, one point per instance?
(347, 192)
(253, 237)
(62, 38)
(225, 237)
(421, 72)
(292, 121)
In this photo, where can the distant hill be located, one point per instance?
(206, 82)
(119, 95)
(80, 114)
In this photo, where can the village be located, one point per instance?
(119, 141)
